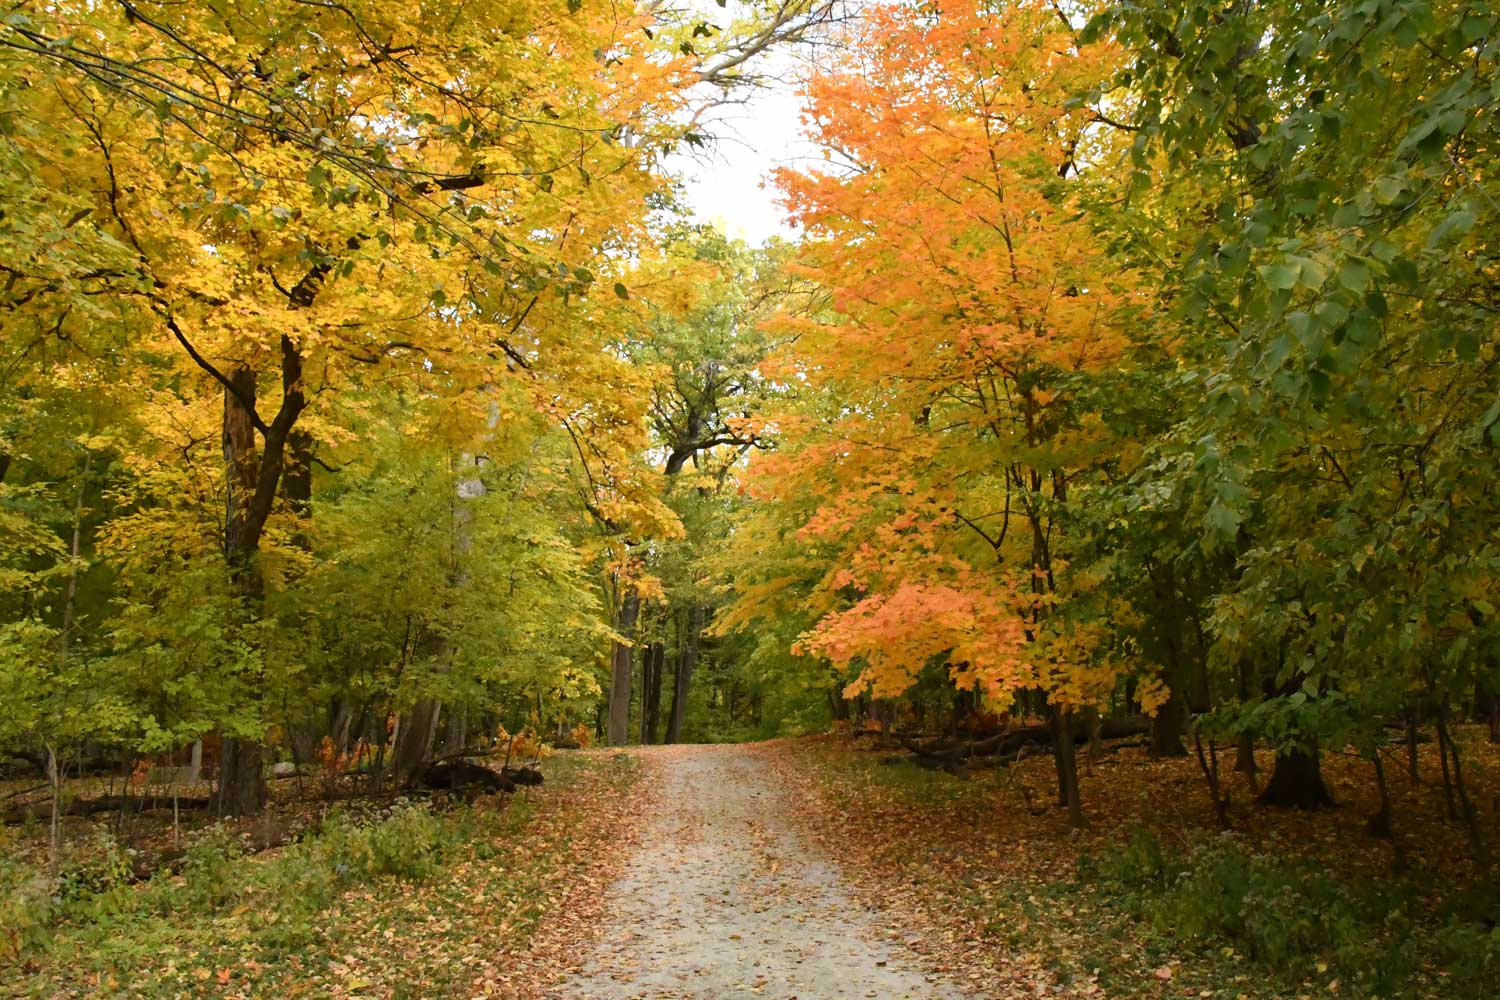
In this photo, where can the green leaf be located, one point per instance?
(1402, 270)
(622, 291)
(1222, 520)
(1282, 277)
(1388, 189)
(1354, 275)
(1455, 225)
(1312, 273)
(1319, 384)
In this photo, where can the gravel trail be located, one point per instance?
(722, 901)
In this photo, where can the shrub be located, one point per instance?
(28, 907)
(91, 869)
(209, 869)
(1285, 914)
(408, 844)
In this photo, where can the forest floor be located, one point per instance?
(819, 868)
(487, 901)
(1151, 900)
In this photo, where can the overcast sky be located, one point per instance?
(728, 184)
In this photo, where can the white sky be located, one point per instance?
(728, 184)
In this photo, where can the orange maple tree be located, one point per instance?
(939, 427)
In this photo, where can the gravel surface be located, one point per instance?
(722, 901)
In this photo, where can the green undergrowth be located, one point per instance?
(1290, 925)
(405, 902)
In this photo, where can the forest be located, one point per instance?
(1084, 526)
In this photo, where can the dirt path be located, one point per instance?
(722, 901)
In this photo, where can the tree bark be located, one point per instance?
(456, 736)
(687, 662)
(1065, 753)
(653, 664)
(1413, 771)
(242, 785)
(1167, 726)
(1487, 707)
(242, 467)
(679, 692)
(648, 665)
(1208, 763)
(296, 482)
(1468, 813)
(414, 741)
(70, 593)
(1244, 759)
(1297, 782)
(241, 789)
(619, 688)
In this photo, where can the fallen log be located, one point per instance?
(461, 775)
(525, 775)
(457, 775)
(1006, 744)
(36, 811)
(26, 791)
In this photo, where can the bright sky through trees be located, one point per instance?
(728, 184)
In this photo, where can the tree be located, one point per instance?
(282, 198)
(969, 303)
(1337, 258)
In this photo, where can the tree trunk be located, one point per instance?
(679, 692)
(1208, 763)
(1065, 753)
(657, 675)
(338, 726)
(1095, 726)
(456, 737)
(252, 483)
(70, 594)
(54, 780)
(296, 481)
(1468, 813)
(1167, 727)
(1244, 758)
(619, 688)
(414, 741)
(242, 784)
(242, 468)
(1487, 707)
(653, 659)
(1297, 782)
(242, 790)
(1413, 770)
(687, 662)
